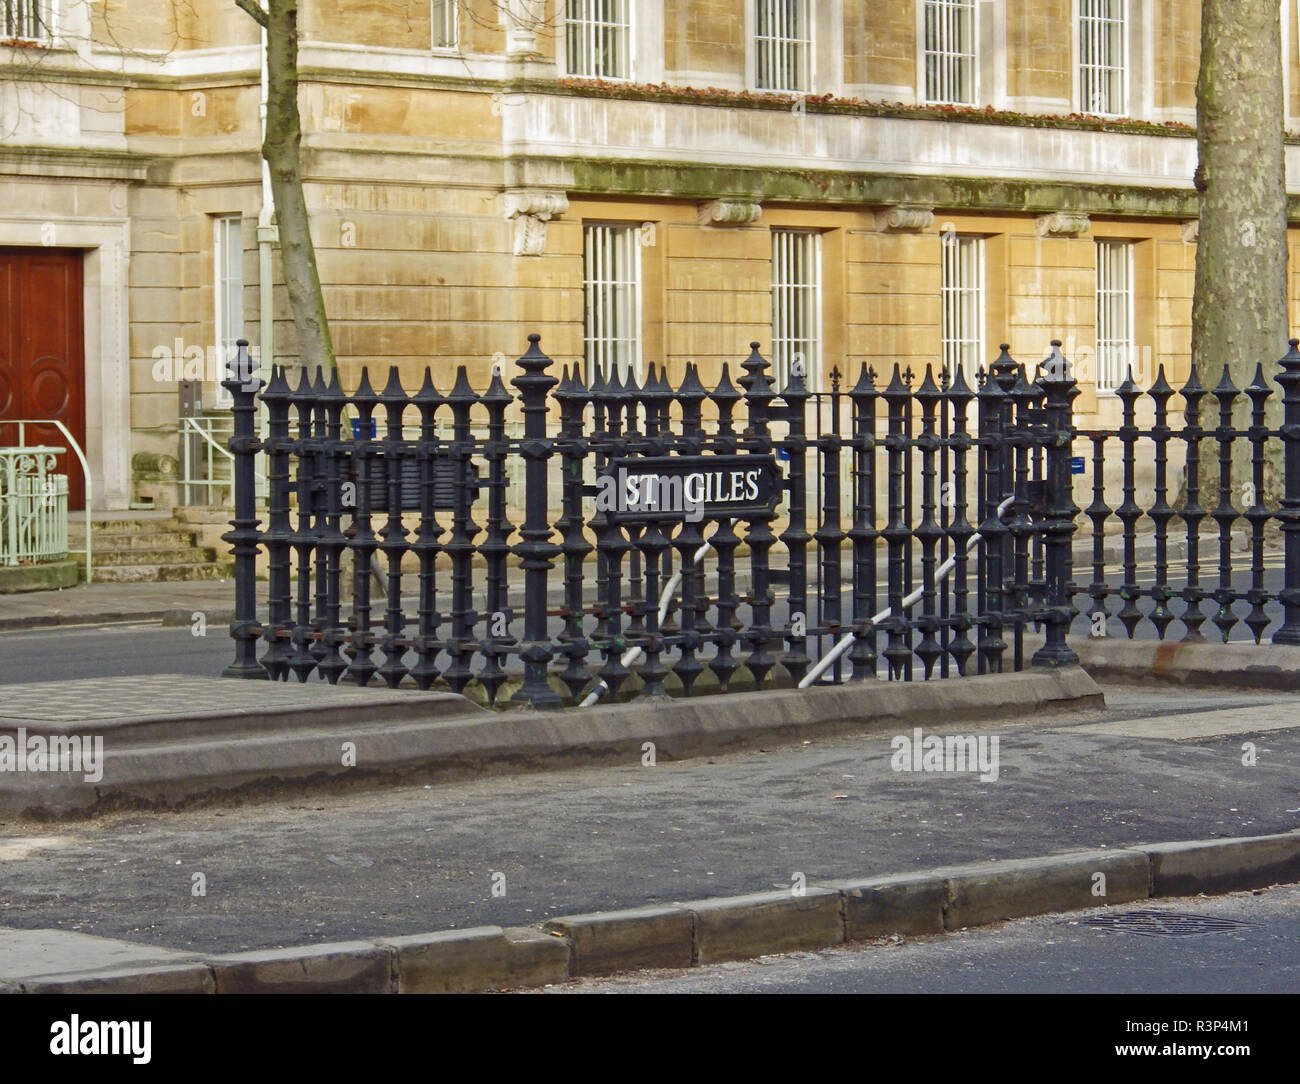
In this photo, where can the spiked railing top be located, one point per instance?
(462, 396)
(657, 392)
(1160, 391)
(865, 388)
(1192, 392)
(305, 392)
(496, 393)
(1258, 390)
(1226, 391)
(959, 391)
(898, 391)
(333, 390)
(364, 398)
(691, 390)
(1023, 392)
(795, 390)
(928, 393)
(277, 388)
(726, 391)
(428, 398)
(1128, 392)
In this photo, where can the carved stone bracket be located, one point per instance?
(905, 218)
(729, 212)
(1191, 231)
(531, 209)
(523, 19)
(1061, 224)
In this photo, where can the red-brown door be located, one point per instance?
(42, 363)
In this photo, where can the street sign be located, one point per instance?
(688, 488)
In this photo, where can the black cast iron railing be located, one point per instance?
(1214, 491)
(913, 497)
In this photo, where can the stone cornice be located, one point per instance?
(696, 181)
(29, 161)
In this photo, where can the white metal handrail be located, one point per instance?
(33, 505)
(88, 484)
(828, 660)
(202, 428)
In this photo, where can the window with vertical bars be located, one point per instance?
(444, 24)
(950, 51)
(26, 20)
(611, 282)
(962, 304)
(796, 305)
(598, 39)
(782, 45)
(1103, 75)
(228, 282)
(1114, 312)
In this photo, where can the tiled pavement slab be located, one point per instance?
(158, 696)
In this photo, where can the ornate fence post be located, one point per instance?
(243, 384)
(573, 397)
(1058, 521)
(536, 549)
(759, 536)
(796, 536)
(863, 534)
(1289, 512)
(992, 477)
(280, 627)
(898, 530)
(393, 542)
(496, 546)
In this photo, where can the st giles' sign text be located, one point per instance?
(688, 488)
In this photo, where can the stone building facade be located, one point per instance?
(637, 180)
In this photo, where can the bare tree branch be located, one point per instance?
(254, 9)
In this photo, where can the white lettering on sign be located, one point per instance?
(675, 494)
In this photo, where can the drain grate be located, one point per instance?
(1148, 923)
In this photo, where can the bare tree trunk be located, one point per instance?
(281, 151)
(1239, 311)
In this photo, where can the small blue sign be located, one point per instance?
(356, 428)
(1076, 464)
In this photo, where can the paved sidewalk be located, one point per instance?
(515, 850)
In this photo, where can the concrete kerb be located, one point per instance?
(1203, 664)
(700, 932)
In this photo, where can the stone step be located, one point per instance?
(124, 526)
(174, 555)
(124, 543)
(164, 573)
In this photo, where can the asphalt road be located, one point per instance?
(61, 654)
(412, 858)
(1246, 944)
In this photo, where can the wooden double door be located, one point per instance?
(42, 353)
